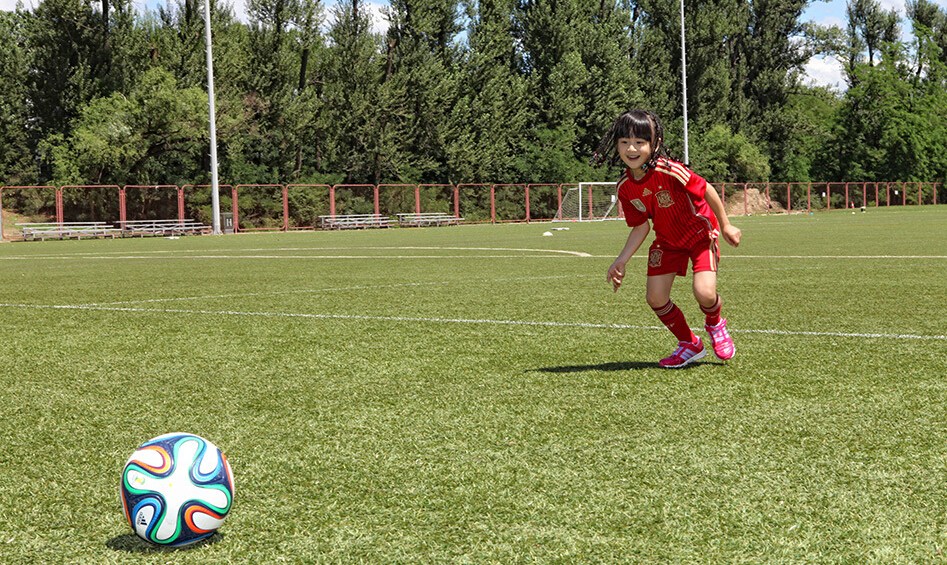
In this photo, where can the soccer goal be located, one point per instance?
(589, 202)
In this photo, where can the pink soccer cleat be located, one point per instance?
(685, 354)
(721, 340)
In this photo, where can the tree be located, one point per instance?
(16, 165)
(352, 71)
(489, 124)
(156, 135)
(63, 38)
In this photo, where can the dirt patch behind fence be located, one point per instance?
(751, 201)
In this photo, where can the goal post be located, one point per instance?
(589, 202)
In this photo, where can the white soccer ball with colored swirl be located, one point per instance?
(176, 489)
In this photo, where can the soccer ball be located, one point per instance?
(176, 489)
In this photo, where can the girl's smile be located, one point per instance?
(635, 152)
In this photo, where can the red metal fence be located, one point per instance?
(297, 206)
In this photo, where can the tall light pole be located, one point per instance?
(214, 187)
(684, 84)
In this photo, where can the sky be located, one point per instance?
(821, 71)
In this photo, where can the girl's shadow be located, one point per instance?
(617, 366)
(614, 366)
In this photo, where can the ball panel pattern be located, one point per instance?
(176, 489)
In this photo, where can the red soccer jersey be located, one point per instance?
(672, 197)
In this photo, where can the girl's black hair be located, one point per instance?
(643, 124)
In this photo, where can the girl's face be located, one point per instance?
(634, 152)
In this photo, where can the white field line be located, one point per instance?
(402, 319)
(315, 290)
(537, 254)
(810, 256)
(241, 253)
(332, 257)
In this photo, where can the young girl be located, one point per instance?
(688, 217)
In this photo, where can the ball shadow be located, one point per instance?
(130, 543)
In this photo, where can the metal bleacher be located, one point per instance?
(66, 230)
(354, 221)
(428, 219)
(142, 228)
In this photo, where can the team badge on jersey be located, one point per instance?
(664, 199)
(654, 259)
(638, 204)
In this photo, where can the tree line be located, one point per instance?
(507, 91)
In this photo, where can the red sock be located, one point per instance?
(672, 317)
(713, 313)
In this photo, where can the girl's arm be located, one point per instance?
(730, 232)
(616, 272)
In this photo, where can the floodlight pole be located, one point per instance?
(684, 83)
(214, 186)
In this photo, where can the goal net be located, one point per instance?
(589, 202)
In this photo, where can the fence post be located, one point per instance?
(285, 208)
(456, 200)
(121, 207)
(332, 200)
(493, 204)
(59, 208)
(527, 203)
(234, 206)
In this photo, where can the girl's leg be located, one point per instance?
(705, 291)
(658, 294)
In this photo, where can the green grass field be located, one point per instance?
(477, 394)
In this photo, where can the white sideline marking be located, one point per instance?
(808, 256)
(316, 290)
(544, 254)
(449, 321)
(121, 257)
(173, 254)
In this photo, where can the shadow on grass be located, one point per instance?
(130, 543)
(617, 366)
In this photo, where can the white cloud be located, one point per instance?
(374, 9)
(825, 71)
(379, 23)
(10, 5)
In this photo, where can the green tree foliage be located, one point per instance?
(725, 156)
(461, 91)
(155, 135)
(16, 167)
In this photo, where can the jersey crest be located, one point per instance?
(654, 259)
(664, 199)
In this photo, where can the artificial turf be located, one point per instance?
(477, 394)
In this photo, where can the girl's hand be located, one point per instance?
(615, 275)
(732, 235)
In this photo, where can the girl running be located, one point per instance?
(688, 217)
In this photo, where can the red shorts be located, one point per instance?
(663, 260)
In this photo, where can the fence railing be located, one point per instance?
(286, 207)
